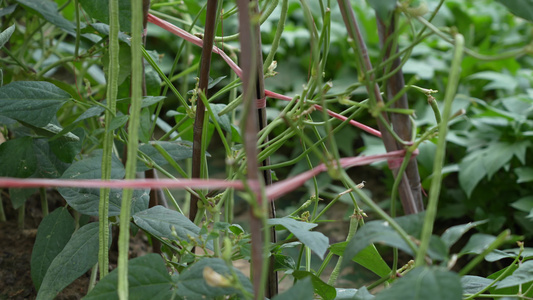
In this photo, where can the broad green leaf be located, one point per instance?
(369, 258)
(321, 288)
(86, 200)
(33, 102)
(104, 30)
(363, 294)
(178, 150)
(160, 222)
(53, 234)
(48, 164)
(521, 8)
(452, 234)
(99, 9)
(497, 155)
(474, 284)
(316, 241)
(17, 158)
(471, 171)
(497, 80)
(383, 7)
(4, 11)
(302, 290)
(148, 278)
(284, 263)
(524, 204)
(523, 274)
(425, 283)
(20, 196)
(124, 61)
(118, 122)
(66, 149)
(477, 243)
(50, 130)
(193, 285)
(6, 34)
(77, 257)
(48, 10)
(525, 174)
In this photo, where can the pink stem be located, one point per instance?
(199, 42)
(273, 191)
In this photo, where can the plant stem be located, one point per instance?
(21, 215)
(133, 143)
(2, 213)
(205, 64)
(44, 201)
(112, 90)
(254, 183)
(436, 181)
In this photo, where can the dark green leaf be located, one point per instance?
(321, 288)
(302, 290)
(148, 278)
(363, 294)
(53, 234)
(86, 200)
(66, 149)
(213, 82)
(477, 243)
(33, 102)
(369, 258)
(4, 11)
(521, 8)
(48, 10)
(118, 122)
(474, 284)
(104, 29)
(20, 196)
(471, 171)
(383, 8)
(524, 204)
(160, 221)
(17, 158)
(284, 263)
(525, 174)
(48, 164)
(452, 234)
(77, 257)
(523, 274)
(192, 284)
(6, 34)
(178, 150)
(425, 283)
(316, 241)
(99, 9)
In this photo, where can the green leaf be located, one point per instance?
(4, 11)
(6, 34)
(66, 149)
(99, 9)
(118, 122)
(316, 241)
(148, 278)
(477, 243)
(363, 294)
(17, 158)
(53, 234)
(86, 200)
(48, 10)
(33, 102)
(524, 204)
(523, 274)
(525, 174)
(425, 283)
(383, 7)
(284, 263)
(321, 288)
(497, 80)
(452, 234)
(192, 285)
(474, 284)
(471, 171)
(521, 8)
(160, 221)
(178, 150)
(369, 258)
(20, 196)
(497, 155)
(302, 290)
(79, 255)
(48, 164)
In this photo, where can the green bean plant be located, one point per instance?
(171, 118)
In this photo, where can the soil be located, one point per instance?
(16, 247)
